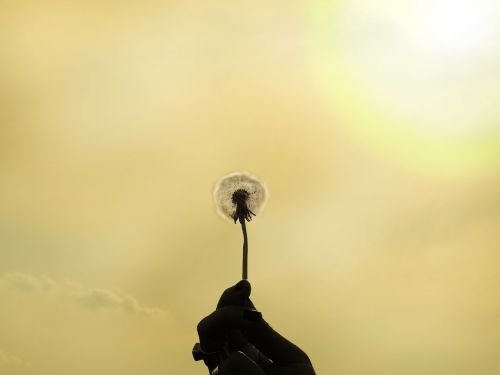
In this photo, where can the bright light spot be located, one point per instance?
(429, 66)
(454, 27)
(417, 79)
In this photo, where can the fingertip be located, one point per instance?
(244, 290)
(243, 285)
(235, 295)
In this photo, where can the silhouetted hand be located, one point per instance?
(253, 347)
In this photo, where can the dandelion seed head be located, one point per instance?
(239, 186)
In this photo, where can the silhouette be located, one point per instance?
(236, 340)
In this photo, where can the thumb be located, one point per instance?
(239, 364)
(237, 295)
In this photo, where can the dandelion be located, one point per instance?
(239, 196)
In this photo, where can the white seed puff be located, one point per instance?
(227, 185)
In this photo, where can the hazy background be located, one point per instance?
(375, 126)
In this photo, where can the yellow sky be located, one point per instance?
(377, 252)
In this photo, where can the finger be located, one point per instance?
(264, 363)
(239, 363)
(211, 362)
(213, 331)
(237, 295)
(236, 342)
(295, 369)
(272, 345)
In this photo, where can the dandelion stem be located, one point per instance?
(242, 213)
(245, 249)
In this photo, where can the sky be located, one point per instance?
(375, 127)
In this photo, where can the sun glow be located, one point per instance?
(416, 80)
(455, 27)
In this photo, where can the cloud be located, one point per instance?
(27, 282)
(97, 298)
(7, 359)
(91, 298)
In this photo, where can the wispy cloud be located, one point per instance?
(27, 282)
(97, 298)
(91, 298)
(7, 359)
